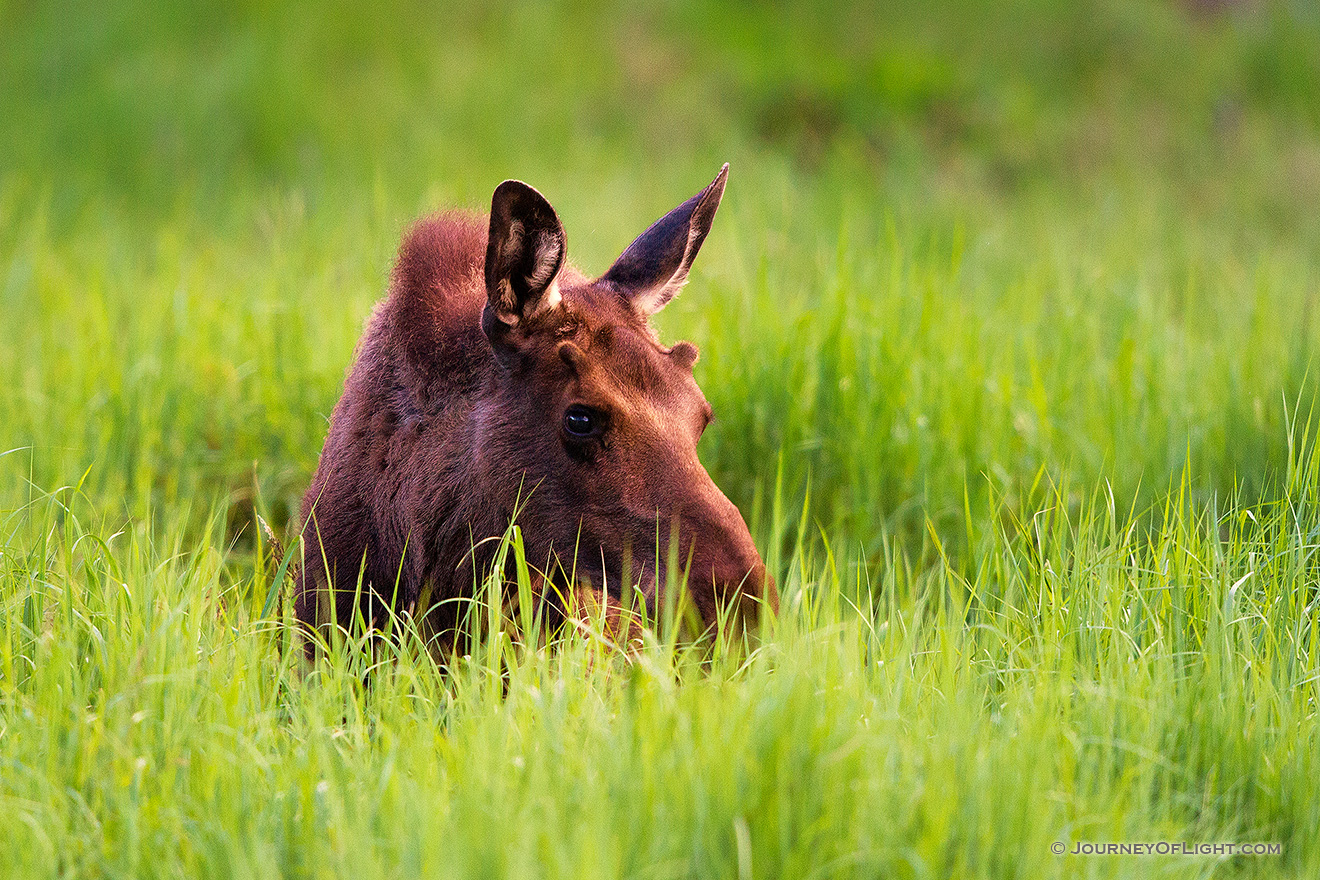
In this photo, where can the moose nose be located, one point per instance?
(744, 586)
(732, 565)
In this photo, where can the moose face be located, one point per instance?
(600, 420)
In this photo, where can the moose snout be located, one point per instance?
(728, 578)
(744, 588)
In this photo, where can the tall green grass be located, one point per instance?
(1008, 323)
(1081, 680)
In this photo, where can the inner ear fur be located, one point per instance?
(655, 266)
(524, 253)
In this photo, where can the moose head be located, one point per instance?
(498, 383)
(598, 421)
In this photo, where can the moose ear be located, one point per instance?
(655, 266)
(523, 253)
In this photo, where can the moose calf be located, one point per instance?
(497, 380)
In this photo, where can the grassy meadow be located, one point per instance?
(1008, 322)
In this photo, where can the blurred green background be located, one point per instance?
(965, 245)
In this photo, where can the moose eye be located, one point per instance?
(581, 422)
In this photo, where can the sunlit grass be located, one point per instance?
(1081, 679)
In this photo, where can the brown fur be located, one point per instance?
(454, 417)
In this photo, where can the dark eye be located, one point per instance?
(581, 421)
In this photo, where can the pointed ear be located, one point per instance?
(655, 266)
(523, 253)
